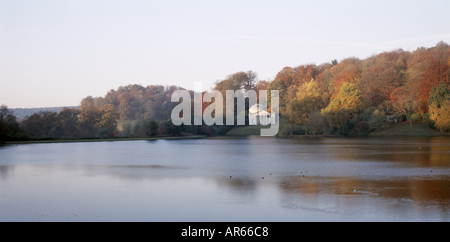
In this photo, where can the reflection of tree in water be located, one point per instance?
(240, 185)
(5, 171)
(238, 190)
(407, 194)
(419, 151)
(298, 185)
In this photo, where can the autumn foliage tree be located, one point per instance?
(286, 75)
(308, 99)
(439, 107)
(425, 69)
(404, 102)
(347, 71)
(441, 116)
(304, 74)
(279, 85)
(88, 117)
(436, 72)
(346, 92)
(382, 74)
(261, 85)
(315, 122)
(107, 122)
(341, 109)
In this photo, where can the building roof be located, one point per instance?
(258, 109)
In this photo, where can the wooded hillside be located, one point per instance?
(347, 97)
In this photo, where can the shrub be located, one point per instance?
(361, 128)
(378, 121)
(426, 119)
(416, 117)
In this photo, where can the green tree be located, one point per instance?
(361, 128)
(152, 128)
(67, 123)
(126, 129)
(42, 125)
(286, 128)
(315, 122)
(439, 107)
(172, 129)
(9, 127)
(438, 94)
(366, 114)
(378, 121)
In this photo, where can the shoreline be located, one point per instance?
(402, 129)
(3, 143)
(99, 140)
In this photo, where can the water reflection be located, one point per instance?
(380, 200)
(5, 171)
(229, 179)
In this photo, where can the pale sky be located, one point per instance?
(57, 52)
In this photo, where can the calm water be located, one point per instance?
(228, 179)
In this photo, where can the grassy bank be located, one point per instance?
(101, 140)
(418, 129)
(404, 129)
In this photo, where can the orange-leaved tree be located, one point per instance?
(404, 102)
(347, 71)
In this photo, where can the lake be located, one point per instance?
(228, 179)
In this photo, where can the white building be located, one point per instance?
(258, 115)
(394, 118)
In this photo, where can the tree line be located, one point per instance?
(347, 97)
(25, 113)
(353, 96)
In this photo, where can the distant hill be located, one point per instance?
(21, 113)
